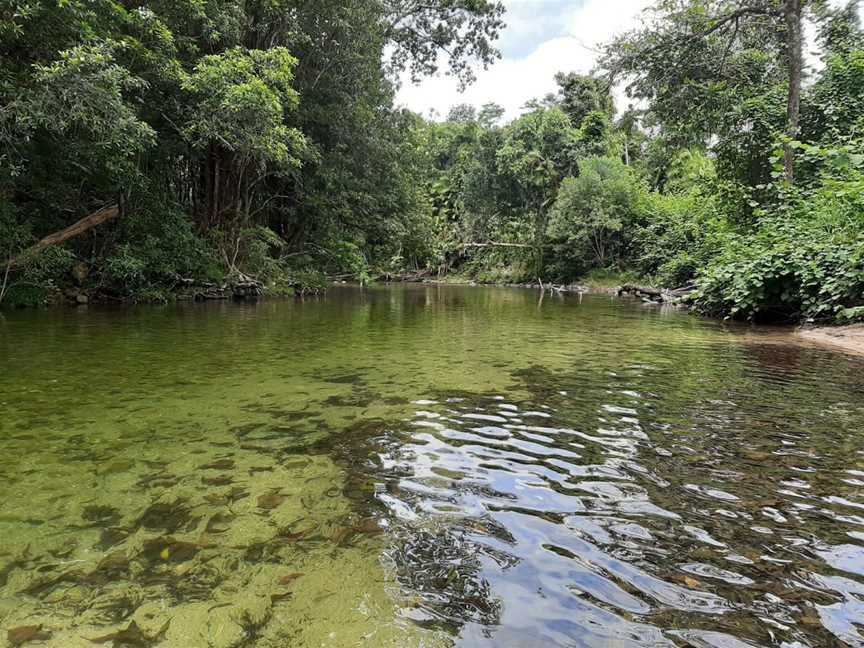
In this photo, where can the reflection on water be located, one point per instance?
(426, 466)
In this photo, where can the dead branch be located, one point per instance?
(83, 225)
(494, 244)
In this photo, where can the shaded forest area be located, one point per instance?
(162, 148)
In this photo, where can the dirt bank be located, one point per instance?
(847, 338)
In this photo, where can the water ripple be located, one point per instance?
(618, 529)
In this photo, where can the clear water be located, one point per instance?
(426, 466)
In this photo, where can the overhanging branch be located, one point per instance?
(83, 225)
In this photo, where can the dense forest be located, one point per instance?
(152, 148)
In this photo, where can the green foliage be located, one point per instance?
(833, 110)
(677, 235)
(466, 29)
(580, 95)
(154, 248)
(308, 281)
(606, 278)
(538, 151)
(199, 103)
(241, 98)
(260, 139)
(36, 285)
(694, 64)
(807, 264)
(595, 212)
(82, 99)
(349, 256)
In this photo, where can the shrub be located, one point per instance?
(676, 236)
(152, 246)
(593, 214)
(808, 264)
(35, 283)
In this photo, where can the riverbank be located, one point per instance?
(847, 338)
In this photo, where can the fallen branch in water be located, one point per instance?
(652, 294)
(83, 225)
(640, 291)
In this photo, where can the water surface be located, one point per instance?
(426, 466)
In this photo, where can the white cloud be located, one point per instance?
(578, 26)
(513, 81)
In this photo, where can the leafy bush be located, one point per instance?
(594, 213)
(677, 235)
(308, 281)
(242, 97)
(34, 285)
(808, 264)
(260, 250)
(154, 245)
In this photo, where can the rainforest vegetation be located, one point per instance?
(152, 147)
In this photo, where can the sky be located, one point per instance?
(542, 37)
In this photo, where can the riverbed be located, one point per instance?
(425, 466)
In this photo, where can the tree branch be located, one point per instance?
(83, 225)
(494, 244)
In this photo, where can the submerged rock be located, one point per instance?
(132, 635)
(22, 634)
(271, 501)
(167, 516)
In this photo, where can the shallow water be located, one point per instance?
(426, 466)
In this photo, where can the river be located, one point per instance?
(426, 466)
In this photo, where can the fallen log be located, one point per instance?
(640, 291)
(494, 244)
(684, 291)
(83, 225)
(657, 295)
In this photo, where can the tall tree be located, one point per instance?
(539, 150)
(705, 54)
(580, 94)
(792, 14)
(463, 31)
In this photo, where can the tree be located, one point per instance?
(707, 54)
(421, 30)
(465, 113)
(793, 16)
(539, 150)
(833, 108)
(581, 94)
(240, 116)
(593, 211)
(490, 115)
(241, 99)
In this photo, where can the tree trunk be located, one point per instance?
(794, 45)
(86, 223)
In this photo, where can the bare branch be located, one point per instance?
(83, 225)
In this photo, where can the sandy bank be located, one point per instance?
(848, 338)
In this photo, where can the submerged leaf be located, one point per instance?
(289, 578)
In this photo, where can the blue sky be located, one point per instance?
(532, 22)
(542, 37)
